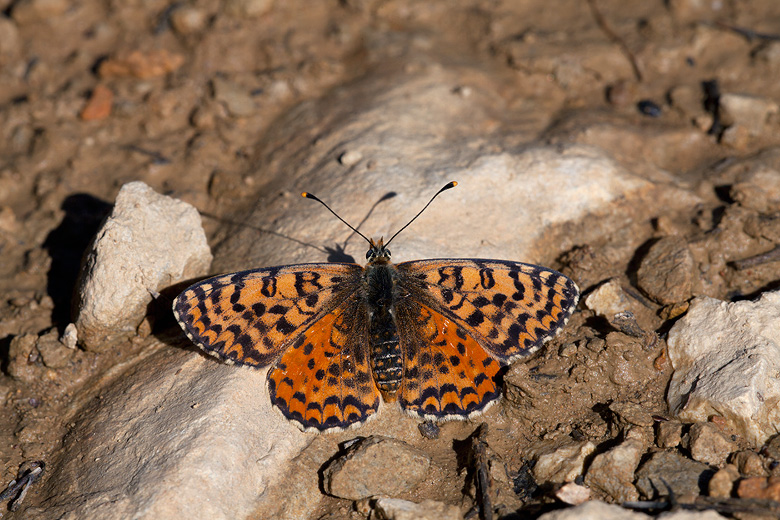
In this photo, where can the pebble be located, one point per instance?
(99, 104)
(350, 157)
(759, 487)
(397, 509)
(666, 272)
(248, 8)
(610, 299)
(188, 20)
(10, 43)
(30, 11)
(594, 510)
(613, 472)
(236, 99)
(556, 463)
(649, 108)
(574, 494)
(141, 65)
(749, 463)
(707, 444)
(683, 475)
(759, 190)
(750, 112)
(668, 434)
(376, 465)
(721, 485)
(53, 353)
(70, 336)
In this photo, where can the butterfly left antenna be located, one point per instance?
(313, 197)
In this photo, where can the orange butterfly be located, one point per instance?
(431, 334)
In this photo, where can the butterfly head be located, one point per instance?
(377, 252)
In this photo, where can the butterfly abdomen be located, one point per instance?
(384, 349)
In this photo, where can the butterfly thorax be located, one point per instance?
(380, 295)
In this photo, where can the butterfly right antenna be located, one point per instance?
(447, 186)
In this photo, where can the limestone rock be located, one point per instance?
(726, 357)
(148, 243)
(613, 472)
(666, 271)
(684, 476)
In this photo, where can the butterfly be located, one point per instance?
(339, 338)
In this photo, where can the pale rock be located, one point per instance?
(613, 472)
(558, 463)
(707, 444)
(726, 357)
(574, 494)
(594, 510)
(148, 243)
(750, 112)
(397, 509)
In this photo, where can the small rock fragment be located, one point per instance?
(376, 466)
(236, 99)
(750, 112)
(397, 509)
(629, 414)
(574, 494)
(248, 8)
(610, 299)
(668, 434)
(613, 472)
(721, 484)
(759, 487)
(99, 105)
(726, 357)
(749, 463)
(684, 476)
(70, 336)
(707, 444)
(21, 353)
(558, 463)
(188, 20)
(53, 353)
(350, 158)
(141, 65)
(666, 272)
(148, 243)
(758, 190)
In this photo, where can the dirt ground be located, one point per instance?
(179, 95)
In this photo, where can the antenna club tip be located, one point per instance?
(454, 183)
(305, 194)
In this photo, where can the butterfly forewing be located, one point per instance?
(250, 317)
(508, 308)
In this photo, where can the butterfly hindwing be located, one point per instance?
(446, 373)
(250, 317)
(509, 308)
(323, 380)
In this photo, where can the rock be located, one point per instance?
(707, 444)
(10, 43)
(375, 466)
(247, 8)
(666, 272)
(558, 463)
(610, 299)
(25, 12)
(759, 487)
(721, 484)
(594, 510)
(53, 353)
(188, 20)
(613, 472)
(772, 448)
(350, 157)
(397, 509)
(668, 434)
(70, 336)
(726, 357)
(172, 417)
(691, 515)
(684, 476)
(759, 189)
(236, 99)
(137, 64)
(749, 463)
(629, 414)
(574, 494)
(750, 112)
(148, 243)
(20, 351)
(99, 104)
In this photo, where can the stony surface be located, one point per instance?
(666, 272)
(539, 109)
(559, 463)
(669, 434)
(375, 466)
(732, 352)
(148, 243)
(721, 485)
